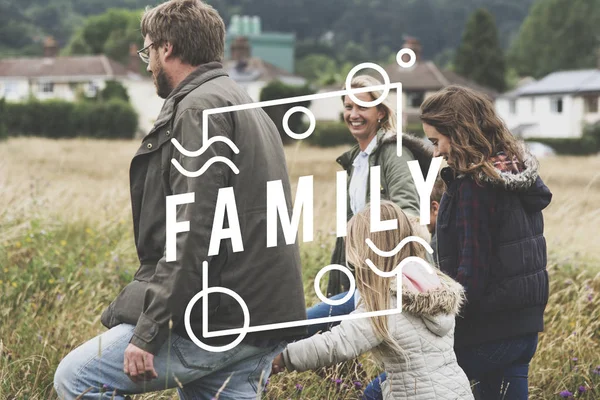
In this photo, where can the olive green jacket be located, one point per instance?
(268, 279)
(397, 185)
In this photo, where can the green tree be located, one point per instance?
(110, 33)
(479, 56)
(313, 67)
(557, 35)
(278, 90)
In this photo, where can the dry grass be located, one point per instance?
(65, 222)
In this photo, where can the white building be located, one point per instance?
(557, 106)
(54, 77)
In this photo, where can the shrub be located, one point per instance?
(278, 90)
(114, 90)
(329, 133)
(114, 118)
(3, 130)
(588, 143)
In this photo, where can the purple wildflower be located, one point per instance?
(596, 370)
(357, 384)
(299, 387)
(337, 381)
(590, 297)
(565, 394)
(582, 389)
(575, 359)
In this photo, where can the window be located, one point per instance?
(91, 89)
(591, 104)
(512, 106)
(414, 99)
(556, 105)
(46, 87)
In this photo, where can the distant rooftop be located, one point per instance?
(72, 66)
(425, 75)
(576, 81)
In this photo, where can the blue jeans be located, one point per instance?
(373, 389)
(499, 368)
(201, 373)
(323, 310)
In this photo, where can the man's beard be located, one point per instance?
(163, 86)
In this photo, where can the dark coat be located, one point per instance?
(491, 240)
(267, 278)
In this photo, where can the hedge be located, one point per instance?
(3, 130)
(588, 143)
(328, 134)
(62, 119)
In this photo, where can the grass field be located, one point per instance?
(66, 249)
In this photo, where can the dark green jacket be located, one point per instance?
(268, 279)
(397, 185)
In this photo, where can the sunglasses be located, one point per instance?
(145, 53)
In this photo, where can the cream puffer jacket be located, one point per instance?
(424, 330)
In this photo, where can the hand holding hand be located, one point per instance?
(278, 365)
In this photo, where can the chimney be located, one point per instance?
(134, 59)
(240, 49)
(50, 47)
(413, 44)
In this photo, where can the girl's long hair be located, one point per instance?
(388, 123)
(476, 132)
(374, 289)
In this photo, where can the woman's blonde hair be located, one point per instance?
(388, 123)
(374, 289)
(476, 132)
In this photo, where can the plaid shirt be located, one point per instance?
(473, 209)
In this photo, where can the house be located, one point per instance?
(418, 82)
(276, 48)
(253, 73)
(56, 77)
(557, 106)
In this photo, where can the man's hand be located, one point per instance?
(139, 364)
(278, 365)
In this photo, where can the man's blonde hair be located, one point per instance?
(195, 29)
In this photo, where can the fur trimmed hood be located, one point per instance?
(534, 194)
(446, 299)
(519, 181)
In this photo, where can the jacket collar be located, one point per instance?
(200, 75)
(422, 150)
(345, 160)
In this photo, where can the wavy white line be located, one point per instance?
(206, 165)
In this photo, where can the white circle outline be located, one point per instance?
(311, 127)
(386, 81)
(411, 54)
(206, 292)
(340, 268)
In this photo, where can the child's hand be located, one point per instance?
(278, 365)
